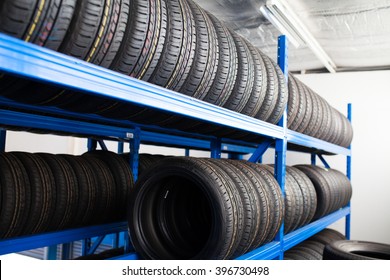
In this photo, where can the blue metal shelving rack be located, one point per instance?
(36, 63)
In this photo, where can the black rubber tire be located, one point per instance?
(316, 115)
(42, 192)
(326, 121)
(16, 17)
(82, 38)
(66, 191)
(272, 92)
(140, 50)
(321, 118)
(282, 96)
(86, 189)
(224, 81)
(323, 190)
(245, 76)
(327, 236)
(301, 112)
(144, 39)
(293, 255)
(291, 211)
(344, 186)
(95, 46)
(226, 75)
(124, 181)
(300, 202)
(84, 34)
(175, 61)
(179, 49)
(15, 196)
(315, 246)
(258, 93)
(198, 201)
(308, 108)
(240, 199)
(249, 203)
(335, 127)
(205, 65)
(264, 211)
(294, 104)
(356, 250)
(43, 23)
(309, 252)
(333, 234)
(308, 194)
(105, 199)
(275, 199)
(299, 254)
(289, 206)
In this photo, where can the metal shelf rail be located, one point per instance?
(33, 62)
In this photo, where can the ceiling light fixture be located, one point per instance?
(281, 15)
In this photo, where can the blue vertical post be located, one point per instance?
(92, 144)
(313, 159)
(215, 147)
(120, 147)
(187, 152)
(115, 240)
(85, 245)
(66, 251)
(349, 162)
(50, 253)
(281, 144)
(3, 137)
(135, 143)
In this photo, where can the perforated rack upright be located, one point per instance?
(33, 62)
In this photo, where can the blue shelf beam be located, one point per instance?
(315, 143)
(24, 243)
(299, 235)
(269, 251)
(22, 119)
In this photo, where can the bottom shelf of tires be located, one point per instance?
(180, 207)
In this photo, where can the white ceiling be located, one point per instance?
(354, 33)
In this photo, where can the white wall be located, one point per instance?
(35, 143)
(369, 94)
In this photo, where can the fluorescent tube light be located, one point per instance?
(281, 15)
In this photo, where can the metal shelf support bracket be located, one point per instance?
(3, 137)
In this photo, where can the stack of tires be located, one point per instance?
(45, 192)
(333, 188)
(171, 43)
(300, 199)
(191, 208)
(310, 114)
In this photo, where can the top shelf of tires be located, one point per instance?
(165, 64)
